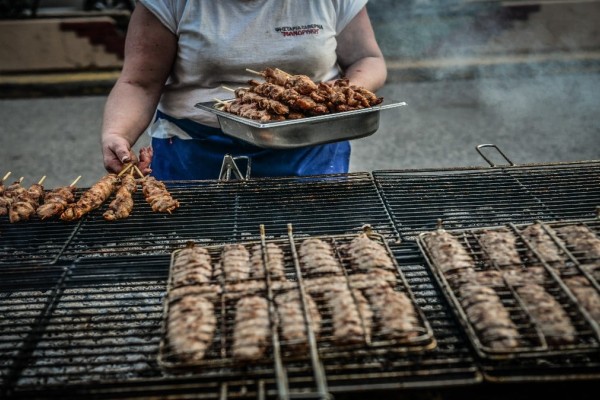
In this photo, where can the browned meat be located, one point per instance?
(348, 327)
(208, 291)
(316, 258)
(91, 199)
(10, 194)
(24, 205)
(56, 201)
(145, 160)
(158, 196)
(366, 254)
(190, 327)
(582, 240)
(234, 264)
(500, 247)
(518, 277)
(447, 252)
(547, 313)
(275, 263)
(586, 294)
(236, 290)
(489, 317)
(544, 246)
(263, 103)
(394, 312)
(292, 321)
(251, 328)
(122, 205)
(191, 266)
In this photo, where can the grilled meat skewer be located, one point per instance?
(56, 201)
(193, 265)
(91, 199)
(366, 254)
(10, 194)
(500, 247)
(24, 205)
(316, 257)
(251, 328)
(275, 265)
(234, 264)
(158, 196)
(122, 205)
(447, 252)
(292, 320)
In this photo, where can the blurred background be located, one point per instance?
(523, 75)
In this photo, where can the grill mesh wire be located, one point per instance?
(316, 206)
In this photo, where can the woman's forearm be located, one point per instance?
(368, 72)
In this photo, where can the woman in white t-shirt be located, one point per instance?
(179, 53)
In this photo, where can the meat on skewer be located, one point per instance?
(316, 257)
(583, 240)
(10, 194)
(539, 240)
(192, 266)
(158, 196)
(122, 205)
(56, 201)
(234, 264)
(586, 294)
(91, 199)
(145, 160)
(548, 314)
(500, 247)
(2, 188)
(292, 319)
(447, 252)
(191, 326)
(366, 254)
(490, 318)
(251, 328)
(24, 205)
(348, 326)
(275, 264)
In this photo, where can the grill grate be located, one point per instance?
(100, 333)
(472, 197)
(215, 213)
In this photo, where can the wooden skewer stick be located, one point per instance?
(75, 181)
(228, 88)
(254, 72)
(139, 172)
(42, 180)
(220, 101)
(21, 179)
(6, 176)
(129, 165)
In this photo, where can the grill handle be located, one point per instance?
(481, 146)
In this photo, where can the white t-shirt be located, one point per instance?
(219, 39)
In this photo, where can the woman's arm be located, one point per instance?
(359, 54)
(150, 50)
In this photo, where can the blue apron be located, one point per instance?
(202, 156)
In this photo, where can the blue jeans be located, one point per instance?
(202, 156)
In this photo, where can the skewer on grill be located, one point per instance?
(366, 254)
(56, 201)
(292, 321)
(157, 195)
(192, 266)
(10, 194)
(235, 263)
(500, 247)
(2, 183)
(317, 258)
(91, 199)
(23, 207)
(251, 329)
(122, 205)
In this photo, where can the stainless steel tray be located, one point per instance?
(307, 131)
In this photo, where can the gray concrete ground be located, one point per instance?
(530, 85)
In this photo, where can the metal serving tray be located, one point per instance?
(302, 132)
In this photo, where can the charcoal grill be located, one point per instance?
(84, 318)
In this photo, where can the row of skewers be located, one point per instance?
(285, 96)
(22, 204)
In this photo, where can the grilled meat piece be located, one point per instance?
(24, 205)
(316, 258)
(275, 264)
(251, 328)
(237, 290)
(263, 103)
(548, 314)
(191, 326)
(158, 196)
(586, 294)
(145, 160)
(582, 240)
(292, 321)
(500, 247)
(251, 111)
(91, 199)
(447, 252)
(208, 291)
(192, 266)
(394, 312)
(56, 201)
(122, 205)
(13, 191)
(234, 264)
(539, 240)
(518, 277)
(489, 317)
(366, 254)
(348, 327)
